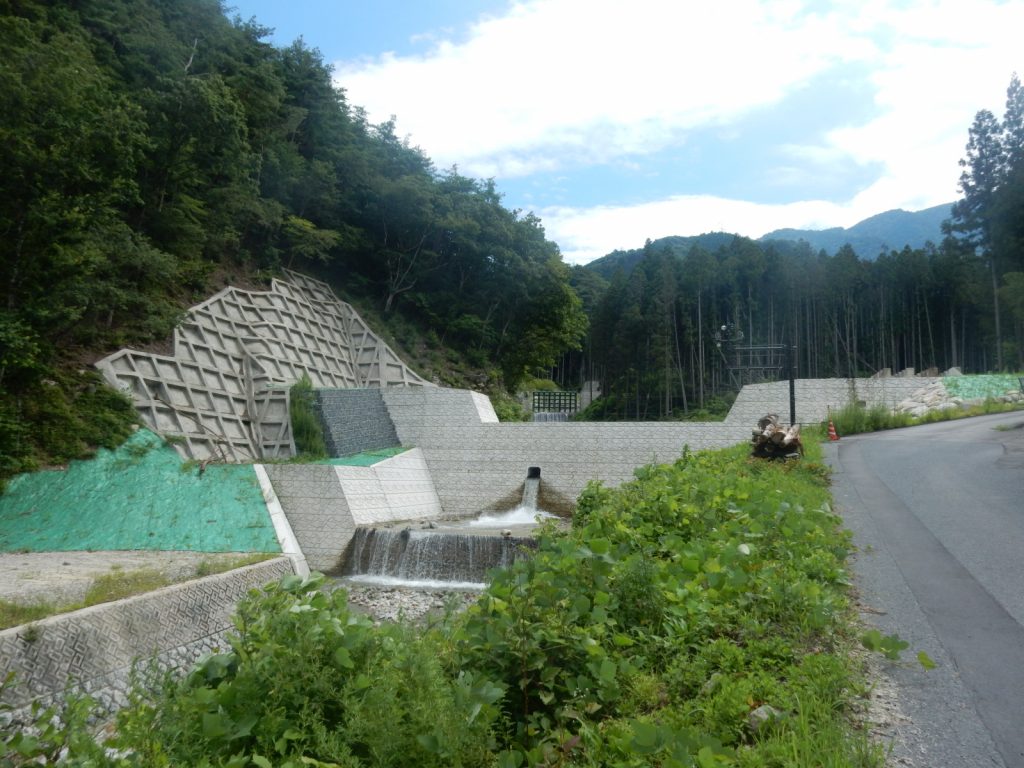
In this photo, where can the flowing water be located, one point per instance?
(428, 558)
(456, 556)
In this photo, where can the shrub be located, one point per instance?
(853, 419)
(507, 408)
(307, 679)
(306, 429)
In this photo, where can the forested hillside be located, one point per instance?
(151, 151)
(652, 342)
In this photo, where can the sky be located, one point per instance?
(619, 121)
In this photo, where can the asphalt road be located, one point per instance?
(937, 512)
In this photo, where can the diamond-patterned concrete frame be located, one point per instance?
(223, 393)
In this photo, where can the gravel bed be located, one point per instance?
(404, 603)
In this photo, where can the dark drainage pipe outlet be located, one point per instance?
(533, 473)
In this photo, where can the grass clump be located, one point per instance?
(13, 614)
(507, 408)
(118, 584)
(305, 681)
(212, 566)
(855, 419)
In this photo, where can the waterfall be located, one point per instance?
(530, 490)
(415, 557)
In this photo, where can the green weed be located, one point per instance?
(13, 614)
(855, 419)
(211, 566)
(306, 429)
(120, 584)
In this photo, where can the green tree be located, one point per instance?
(971, 221)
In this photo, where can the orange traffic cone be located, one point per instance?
(832, 431)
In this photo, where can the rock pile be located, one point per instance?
(935, 397)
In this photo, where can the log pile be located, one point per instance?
(773, 441)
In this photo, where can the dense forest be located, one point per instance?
(670, 324)
(151, 151)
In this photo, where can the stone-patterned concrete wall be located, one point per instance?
(354, 420)
(315, 505)
(223, 393)
(94, 648)
(479, 466)
(324, 503)
(415, 413)
(814, 397)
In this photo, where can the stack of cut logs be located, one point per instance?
(773, 441)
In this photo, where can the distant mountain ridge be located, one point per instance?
(890, 230)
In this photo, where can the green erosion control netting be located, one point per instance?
(365, 458)
(982, 386)
(141, 496)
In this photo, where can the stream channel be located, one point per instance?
(416, 568)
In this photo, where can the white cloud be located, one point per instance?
(591, 80)
(558, 84)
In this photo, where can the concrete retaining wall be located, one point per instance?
(399, 488)
(315, 505)
(93, 649)
(814, 397)
(324, 503)
(478, 465)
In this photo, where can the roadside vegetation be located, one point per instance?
(697, 616)
(854, 419)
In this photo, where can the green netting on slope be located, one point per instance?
(141, 496)
(365, 458)
(981, 386)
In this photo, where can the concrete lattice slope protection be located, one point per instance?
(223, 393)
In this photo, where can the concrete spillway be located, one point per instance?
(459, 556)
(429, 558)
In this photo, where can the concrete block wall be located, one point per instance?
(891, 391)
(354, 420)
(478, 466)
(416, 412)
(93, 649)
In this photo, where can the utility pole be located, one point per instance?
(791, 365)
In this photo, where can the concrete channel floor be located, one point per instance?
(60, 578)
